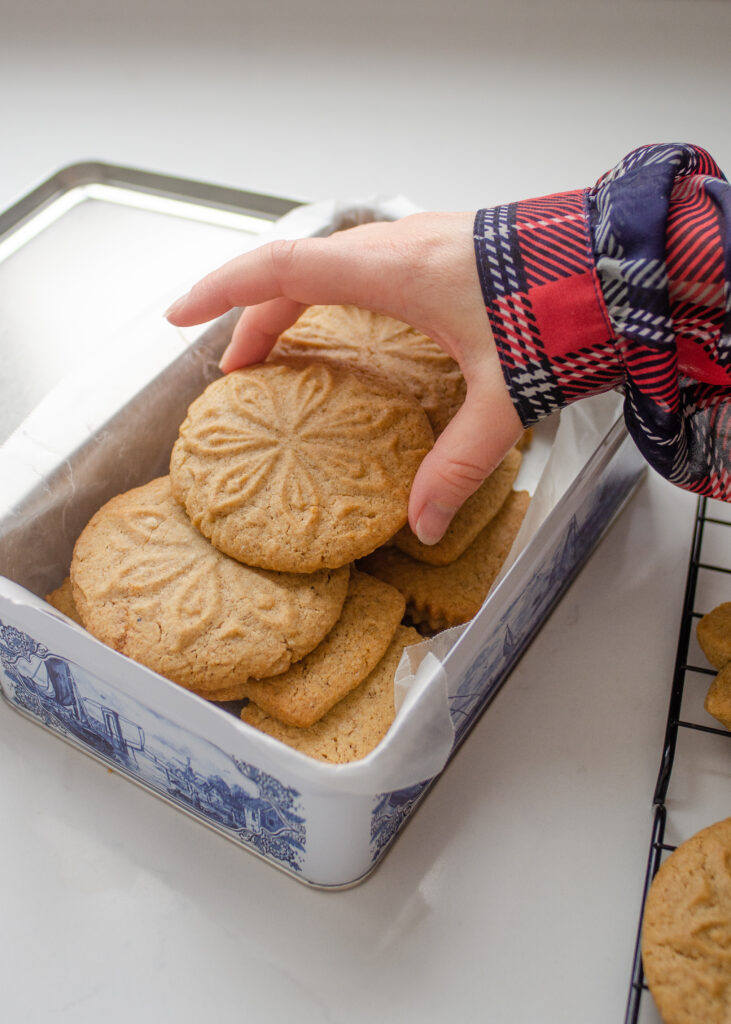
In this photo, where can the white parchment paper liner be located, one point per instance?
(111, 427)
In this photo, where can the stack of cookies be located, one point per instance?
(235, 576)
(445, 584)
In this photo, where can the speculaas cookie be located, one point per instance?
(300, 467)
(714, 635)
(472, 517)
(718, 698)
(146, 583)
(686, 932)
(350, 651)
(62, 599)
(356, 724)
(225, 694)
(383, 347)
(445, 595)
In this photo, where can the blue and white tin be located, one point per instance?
(110, 428)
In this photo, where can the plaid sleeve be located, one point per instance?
(623, 285)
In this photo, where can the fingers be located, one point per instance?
(473, 444)
(339, 269)
(420, 269)
(257, 331)
(247, 280)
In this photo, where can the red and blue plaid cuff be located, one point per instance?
(544, 302)
(624, 284)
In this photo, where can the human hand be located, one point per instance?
(421, 270)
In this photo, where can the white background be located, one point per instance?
(512, 896)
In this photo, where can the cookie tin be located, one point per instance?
(123, 243)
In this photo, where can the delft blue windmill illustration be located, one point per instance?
(257, 809)
(52, 684)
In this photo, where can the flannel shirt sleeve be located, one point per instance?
(624, 285)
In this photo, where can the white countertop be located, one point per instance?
(512, 897)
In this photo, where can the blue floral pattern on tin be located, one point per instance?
(15, 645)
(389, 813)
(525, 615)
(250, 806)
(517, 626)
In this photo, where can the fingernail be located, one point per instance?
(175, 307)
(433, 522)
(224, 360)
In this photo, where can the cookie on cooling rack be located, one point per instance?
(714, 635)
(686, 931)
(718, 698)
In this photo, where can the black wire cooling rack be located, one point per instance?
(700, 564)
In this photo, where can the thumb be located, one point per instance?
(469, 449)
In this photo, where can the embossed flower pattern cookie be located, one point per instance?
(714, 635)
(148, 584)
(387, 348)
(298, 467)
(686, 932)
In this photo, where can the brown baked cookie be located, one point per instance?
(62, 598)
(714, 635)
(445, 595)
(350, 651)
(297, 467)
(148, 584)
(225, 694)
(356, 724)
(718, 698)
(686, 932)
(385, 348)
(473, 516)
